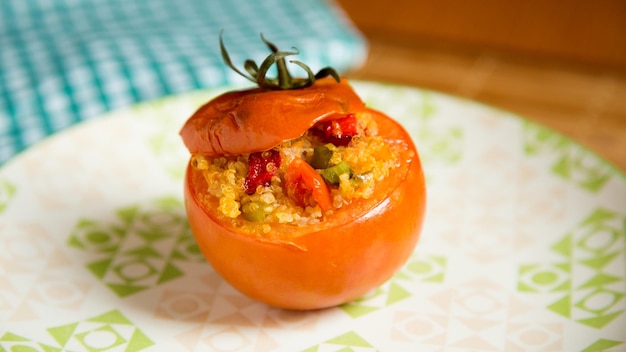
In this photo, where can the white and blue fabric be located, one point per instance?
(65, 61)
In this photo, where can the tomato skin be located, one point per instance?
(353, 251)
(231, 123)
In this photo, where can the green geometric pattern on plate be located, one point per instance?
(108, 331)
(7, 190)
(437, 146)
(416, 102)
(10, 342)
(420, 268)
(571, 161)
(428, 107)
(348, 342)
(594, 247)
(602, 345)
(140, 249)
(165, 142)
(424, 268)
(161, 147)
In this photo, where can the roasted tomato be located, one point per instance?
(353, 249)
(258, 119)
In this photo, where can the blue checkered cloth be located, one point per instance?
(64, 61)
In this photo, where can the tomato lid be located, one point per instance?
(281, 108)
(251, 120)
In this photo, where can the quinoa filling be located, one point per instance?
(343, 160)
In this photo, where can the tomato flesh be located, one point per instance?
(305, 186)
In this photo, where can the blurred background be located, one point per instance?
(560, 63)
(66, 61)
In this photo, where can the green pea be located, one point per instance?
(253, 211)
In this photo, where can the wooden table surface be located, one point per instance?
(585, 103)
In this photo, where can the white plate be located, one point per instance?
(523, 247)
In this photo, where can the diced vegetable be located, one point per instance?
(253, 211)
(305, 186)
(261, 167)
(321, 157)
(331, 174)
(338, 131)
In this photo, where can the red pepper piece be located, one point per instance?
(338, 131)
(261, 167)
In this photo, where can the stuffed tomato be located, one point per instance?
(300, 196)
